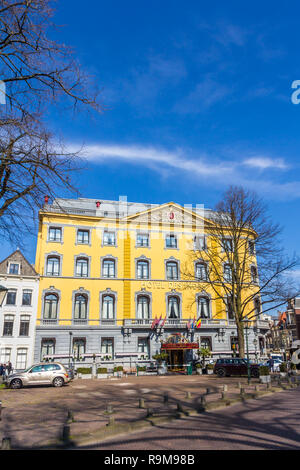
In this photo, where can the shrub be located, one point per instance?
(84, 370)
(142, 369)
(210, 366)
(160, 357)
(282, 367)
(293, 366)
(198, 365)
(102, 370)
(118, 369)
(264, 370)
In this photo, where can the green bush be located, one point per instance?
(293, 366)
(198, 365)
(102, 370)
(282, 367)
(210, 366)
(142, 369)
(160, 357)
(264, 370)
(118, 369)
(84, 370)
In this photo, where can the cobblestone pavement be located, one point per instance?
(273, 422)
(31, 417)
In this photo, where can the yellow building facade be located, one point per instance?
(118, 278)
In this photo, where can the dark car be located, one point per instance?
(235, 366)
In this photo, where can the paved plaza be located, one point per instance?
(37, 417)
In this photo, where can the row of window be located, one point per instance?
(83, 237)
(143, 307)
(8, 325)
(109, 269)
(106, 347)
(21, 360)
(11, 297)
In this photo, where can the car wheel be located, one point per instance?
(255, 373)
(221, 372)
(16, 383)
(58, 382)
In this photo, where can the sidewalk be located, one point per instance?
(35, 417)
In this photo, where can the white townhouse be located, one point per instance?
(18, 311)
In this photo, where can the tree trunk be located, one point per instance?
(241, 339)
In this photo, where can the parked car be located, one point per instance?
(52, 373)
(235, 366)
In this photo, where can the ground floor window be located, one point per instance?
(205, 342)
(143, 346)
(78, 348)
(5, 355)
(21, 358)
(107, 346)
(47, 347)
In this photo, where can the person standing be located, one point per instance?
(1, 371)
(271, 364)
(9, 368)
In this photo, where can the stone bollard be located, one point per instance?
(203, 400)
(109, 409)
(179, 407)
(242, 391)
(141, 403)
(268, 385)
(223, 396)
(66, 434)
(149, 413)
(111, 421)
(239, 385)
(188, 395)
(166, 397)
(70, 417)
(6, 443)
(208, 390)
(256, 388)
(225, 388)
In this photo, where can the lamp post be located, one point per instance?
(255, 345)
(70, 345)
(247, 349)
(3, 292)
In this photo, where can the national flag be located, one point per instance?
(158, 322)
(198, 324)
(193, 323)
(164, 321)
(188, 325)
(154, 323)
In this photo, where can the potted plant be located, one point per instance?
(210, 369)
(161, 362)
(118, 371)
(84, 372)
(283, 369)
(264, 374)
(199, 368)
(293, 368)
(102, 373)
(141, 370)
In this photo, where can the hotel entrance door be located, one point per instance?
(176, 359)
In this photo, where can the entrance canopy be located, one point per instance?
(178, 341)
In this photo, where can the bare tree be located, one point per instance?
(37, 73)
(242, 264)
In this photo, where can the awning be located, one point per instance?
(181, 346)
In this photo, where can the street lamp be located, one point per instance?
(3, 292)
(255, 345)
(247, 349)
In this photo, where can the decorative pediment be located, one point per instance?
(170, 213)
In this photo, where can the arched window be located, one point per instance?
(203, 307)
(143, 307)
(50, 306)
(201, 272)
(52, 268)
(173, 307)
(108, 307)
(172, 270)
(108, 268)
(82, 267)
(142, 269)
(80, 307)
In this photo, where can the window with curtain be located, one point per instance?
(83, 237)
(172, 270)
(14, 268)
(78, 347)
(201, 272)
(205, 343)
(5, 355)
(143, 307)
(173, 307)
(50, 306)
(109, 238)
(11, 297)
(8, 325)
(142, 239)
(80, 307)
(26, 297)
(21, 358)
(24, 325)
(55, 234)
(143, 345)
(52, 268)
(203, 307)
(82, 267)
(47, 347)
(108, 307)
(142, 270)
(108, 268)
(107, 346)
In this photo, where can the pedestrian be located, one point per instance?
(1, 370)
(4, 372)
(271, 364)
(9, 368)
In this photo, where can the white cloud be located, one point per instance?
(265, 162)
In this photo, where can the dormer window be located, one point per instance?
(14, 268)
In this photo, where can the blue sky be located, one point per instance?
(197, 97)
